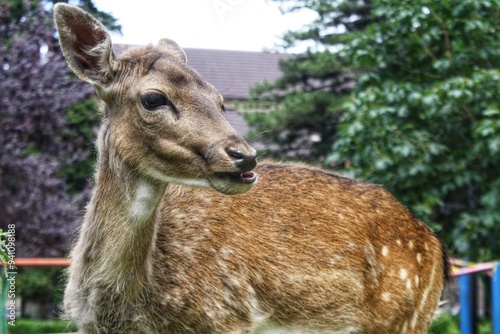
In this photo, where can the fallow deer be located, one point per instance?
(184, 234)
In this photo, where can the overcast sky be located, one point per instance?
(250, 25)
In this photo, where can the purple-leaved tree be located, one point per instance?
(36, 89)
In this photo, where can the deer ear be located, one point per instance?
(170, 47)
(86, 44)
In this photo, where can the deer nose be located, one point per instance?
(244, 161)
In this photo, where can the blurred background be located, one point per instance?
(401, 93)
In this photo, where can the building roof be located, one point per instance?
(232, 72)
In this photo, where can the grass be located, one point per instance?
(36, 326)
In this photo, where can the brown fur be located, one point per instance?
(300, 251)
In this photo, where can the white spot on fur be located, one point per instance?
(386, 296)
(398, 242)
(225, 252)
(206, 199)
(256, 313)
(335, 259)
(389, 322)
(408, 284)
(187, 251)
(410, 244)
(144, 202)
(385, 251)
(417, 280)
(403, 273)
(419, 257)
(414, 320)
(405, 328)
(425, 294)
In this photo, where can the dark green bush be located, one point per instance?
(445, 324)
(41, 284)
(449, 324)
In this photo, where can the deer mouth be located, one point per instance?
(233, 183)
(248, 177)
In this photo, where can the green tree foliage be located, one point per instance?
(425, 117)
(47, 127)
(107, 19)
(82, 120)
(18, 9)
(419, 112)
(306, 102)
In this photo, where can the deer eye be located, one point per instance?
(152, 101)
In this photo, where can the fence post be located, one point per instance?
(3, 301)
(495, 298)
(468, 301)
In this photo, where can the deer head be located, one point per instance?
(160, 118)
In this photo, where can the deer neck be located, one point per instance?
(118, 234)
